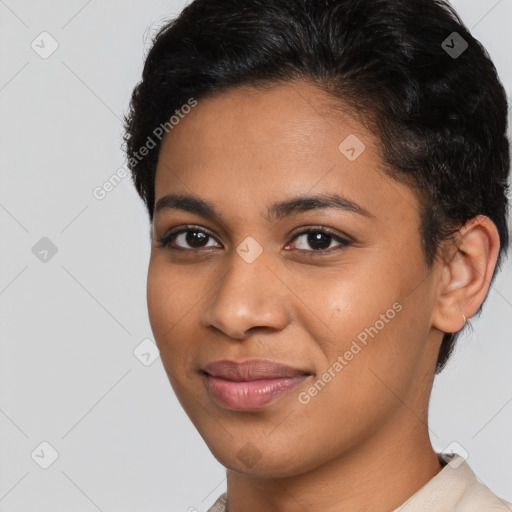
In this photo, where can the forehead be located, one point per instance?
(295, 113)
(270, 143)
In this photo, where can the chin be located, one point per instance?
(260, 458)
(265, 467)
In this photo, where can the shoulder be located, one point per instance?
(477, 496)
(455, 489)
(220, 504)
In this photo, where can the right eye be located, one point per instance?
(194, 236)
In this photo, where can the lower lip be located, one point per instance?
(253, 394)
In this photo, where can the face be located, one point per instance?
(335, 289)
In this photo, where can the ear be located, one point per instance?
(466, 274)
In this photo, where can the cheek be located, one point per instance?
(168, 302)
(160, 302)
(170, 294)
(374, 324)
(170, 311)
(361, 377)
(349, 303)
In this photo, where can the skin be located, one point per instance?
(362, 443)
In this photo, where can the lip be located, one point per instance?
(251, 384)
(251, 370)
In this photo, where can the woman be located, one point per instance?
(326, 182)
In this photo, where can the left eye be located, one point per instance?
(320, 239)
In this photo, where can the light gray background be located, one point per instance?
(69, 326)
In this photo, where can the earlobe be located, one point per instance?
(463, 316)
(467, 274)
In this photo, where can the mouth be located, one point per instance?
(252, 384)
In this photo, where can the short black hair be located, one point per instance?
(433, 98)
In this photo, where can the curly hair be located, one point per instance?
(440, 116)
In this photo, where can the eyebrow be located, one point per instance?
(276, 211)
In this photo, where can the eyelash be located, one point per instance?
(166, 240)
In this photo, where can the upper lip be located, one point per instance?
(254, 369)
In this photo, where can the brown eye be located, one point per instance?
(194, 237)
(320, 239)
(191, 238)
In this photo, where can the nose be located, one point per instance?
(249, 296)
